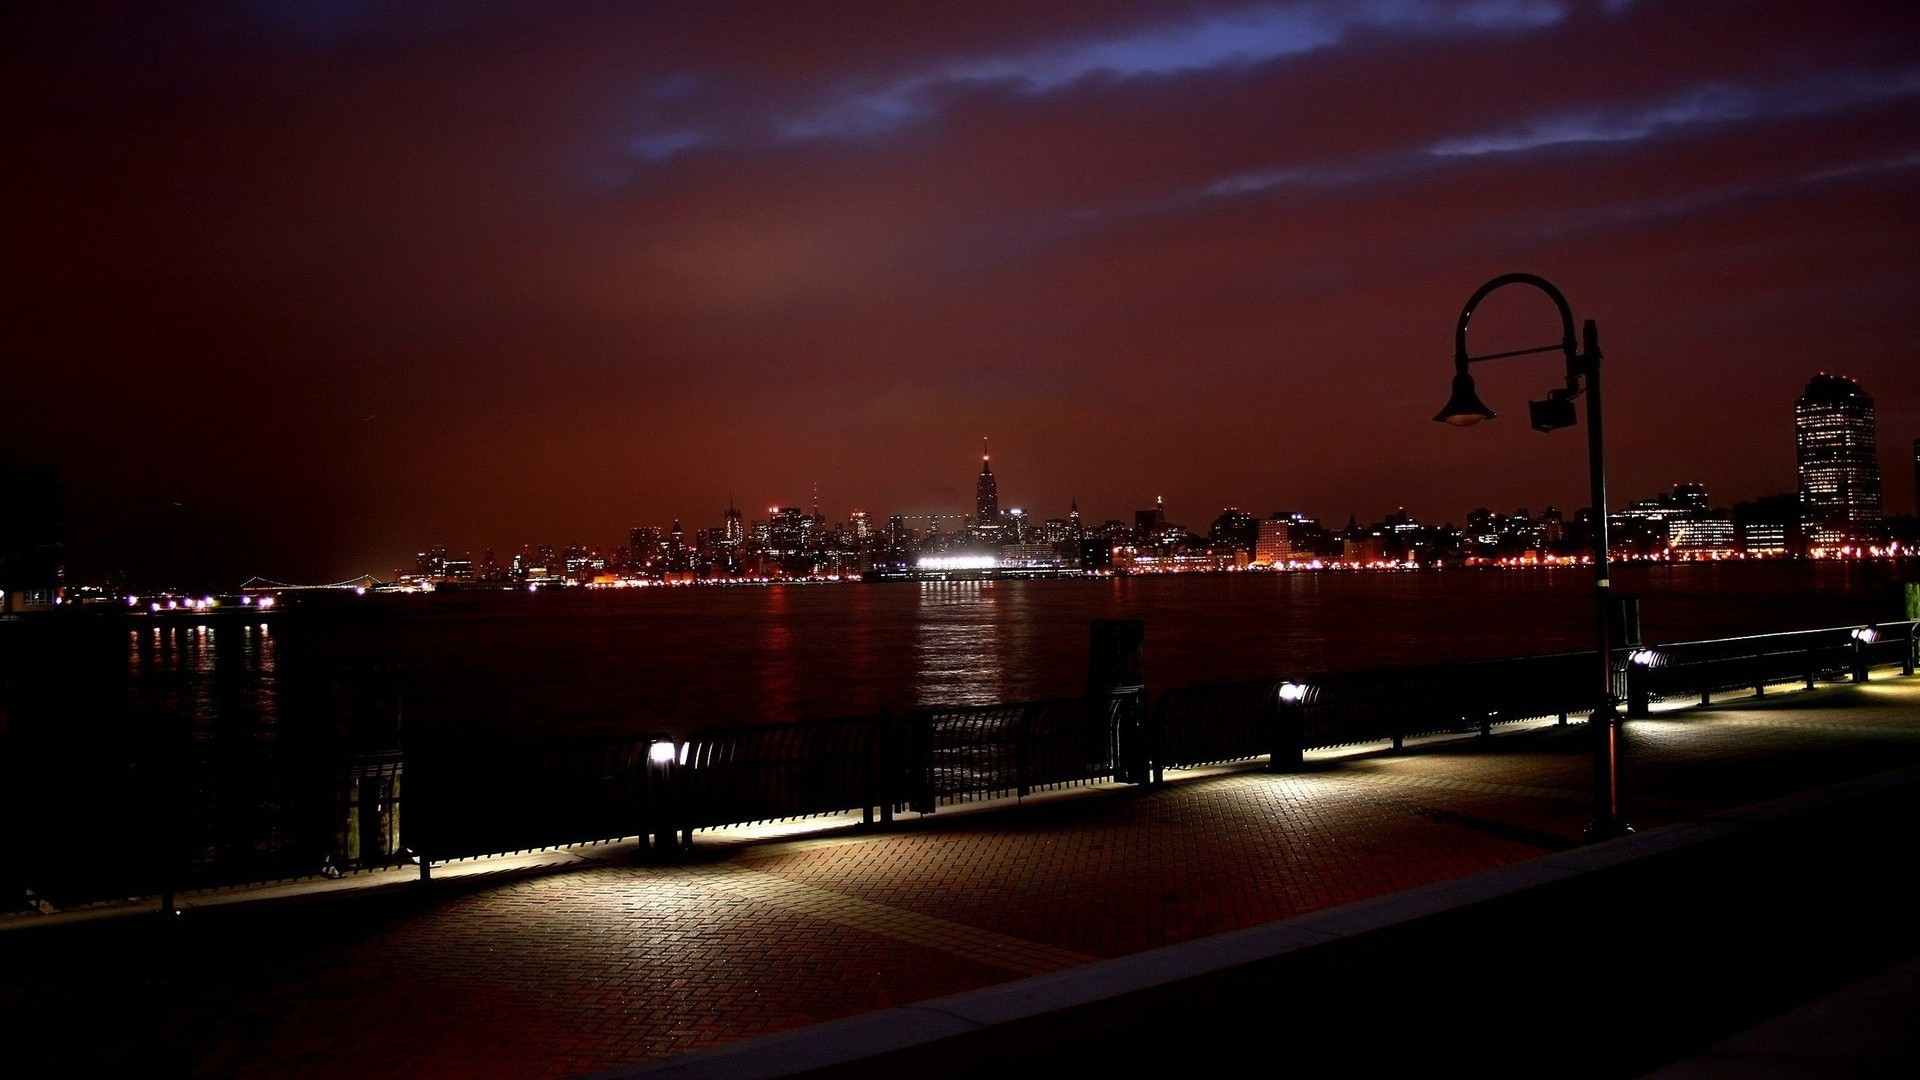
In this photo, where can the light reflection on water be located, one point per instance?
(217, 681)
(779, 680)
(959, 651)
(571, 664)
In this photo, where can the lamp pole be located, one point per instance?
(1465, 408)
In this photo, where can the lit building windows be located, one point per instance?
(1838, 466)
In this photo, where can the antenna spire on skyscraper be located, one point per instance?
(986, 491)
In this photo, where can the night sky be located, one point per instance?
(297, 288)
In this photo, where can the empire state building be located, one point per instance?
(986, 493)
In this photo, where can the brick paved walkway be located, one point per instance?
(613, 962)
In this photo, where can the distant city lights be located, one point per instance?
(957, 562)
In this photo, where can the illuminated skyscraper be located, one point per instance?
(645, 547)
(1273, 545)
(1234, 528)
(1151, 523)
(1839, 466)
(789, 530)
(986, 492)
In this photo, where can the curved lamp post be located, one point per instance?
(1465, 408)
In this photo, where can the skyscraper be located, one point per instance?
(1273, 544)
(986, 493)
(1839, 467)
(789, 530)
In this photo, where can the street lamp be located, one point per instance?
(1464, 409)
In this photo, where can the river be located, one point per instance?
(217, 747)
(562, 664)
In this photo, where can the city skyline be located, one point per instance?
(298, 288)
(1684, 522)
(1832, 412)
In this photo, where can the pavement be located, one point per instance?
(1433, 907)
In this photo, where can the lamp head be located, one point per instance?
(1554, 413)
(1464, 408)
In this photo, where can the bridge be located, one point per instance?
(257, 584)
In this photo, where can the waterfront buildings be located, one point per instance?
(1838, 464)
(1274, 544)
(1702, 536)
(1235, 529)
(1681, 523)
(1769, 526)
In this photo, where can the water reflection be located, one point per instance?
(218, 782)
(959, 647)
(209, 679)
(867, 645)
(1019, 621)
(779, 674)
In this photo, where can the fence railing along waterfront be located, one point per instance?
(470, 799)
(1701, 669)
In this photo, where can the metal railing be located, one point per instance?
(749, 774)
(1697, 670)
(1395, 704)
(469, 799)
(967, 753)
(1211, 725)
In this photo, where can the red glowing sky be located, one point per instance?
(297, 288)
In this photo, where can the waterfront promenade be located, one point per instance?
(590, 960)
